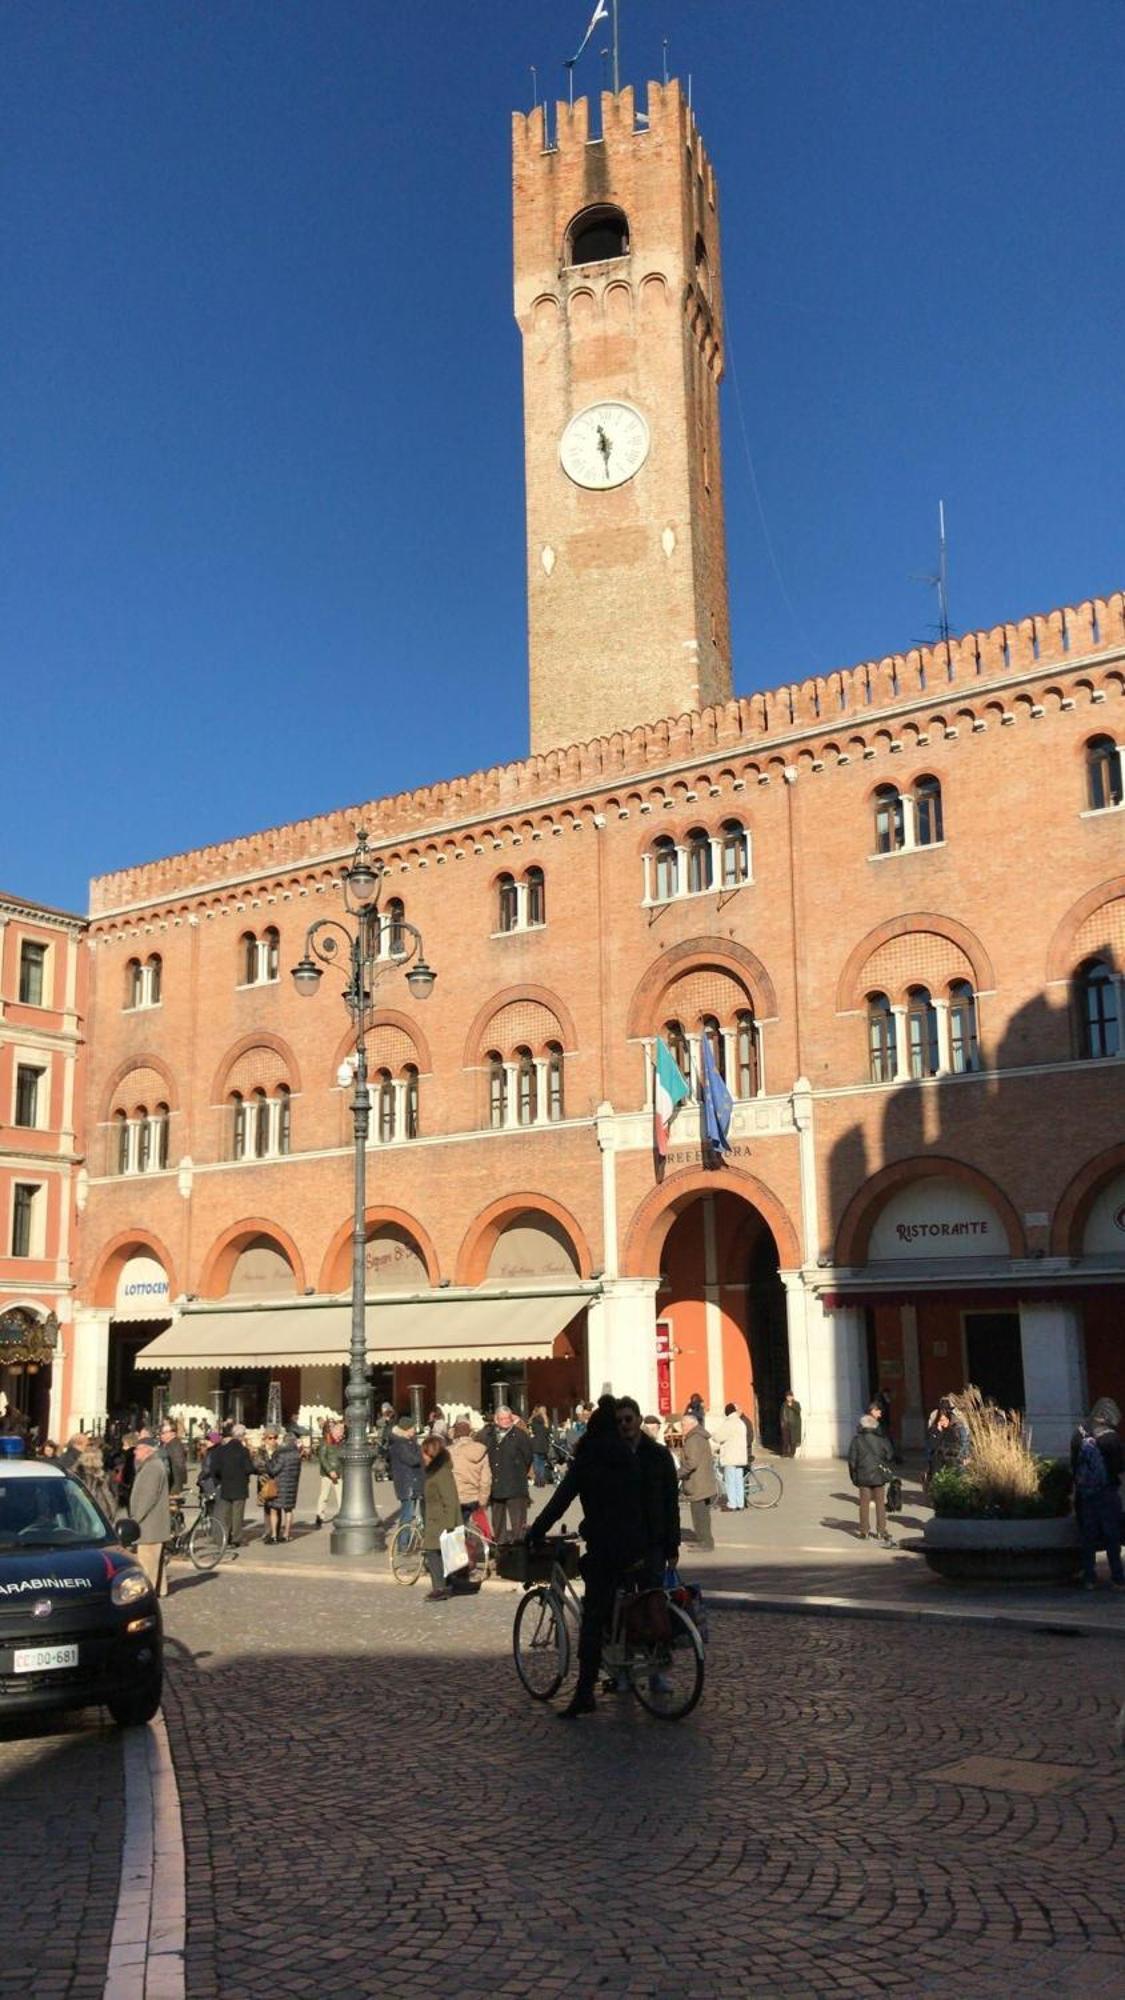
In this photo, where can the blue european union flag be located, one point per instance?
(716, 1100)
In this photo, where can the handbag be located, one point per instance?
(267, 1489)
(454, 1550)
(647, 1622)
(894, 1494)
(479, 1520)
(689, 1597)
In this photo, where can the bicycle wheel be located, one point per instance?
(480, 1551)
(668, 1676)
(541, 1644)
(406, 1552)
(763, 1488)
(206, 1542)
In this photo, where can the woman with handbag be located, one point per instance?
(441, 1514)
(283, 1472)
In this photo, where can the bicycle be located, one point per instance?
(408, 1551)
(763, 1486)
(663, 1668)
(204, 1539)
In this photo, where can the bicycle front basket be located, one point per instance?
(520, 1562)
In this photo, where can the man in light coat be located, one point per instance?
(148, 1507)
(734, 1456)
(697, 1479)
(471, 1468)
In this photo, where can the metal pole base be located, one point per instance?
(364, 1538)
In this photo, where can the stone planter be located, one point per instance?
(967, 1550)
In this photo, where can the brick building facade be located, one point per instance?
(43, 977)
(892, 899)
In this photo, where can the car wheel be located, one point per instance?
(130, 1711)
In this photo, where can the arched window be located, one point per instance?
(121, 1142)
(698, 861)
(508, 903)
(154, 969)
(134, 983)
(667, 859)
(158, 1150)
(536, 896)
(527, 1098)
(890, 832)
(735, 854)
(144, 1139)
(963, 1050)
(881, 1039)
(393, 933)
(384, 1105)
(678, 1044)
(261, 1135)
(410, 1101)
(921, 1032)
(598, 233)
(713, 1036)
(249, 948)
(284, 1117)
(497, 1091)
(1103, 773)
(554, 1081)
(746, 1054)
(271, 953)
(1099, 1019)
(928, 827)
(237, 1126)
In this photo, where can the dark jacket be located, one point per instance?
(1109, 1444)
(232, 1465)
(791, 1422)
(511, 1463)
(174, 1455)
(868, 1456)
(604, 1476)
(284, 1465)
(660, 1498)
(439, 1500)
(406, 1465)
(540, 1438)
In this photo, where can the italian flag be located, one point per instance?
(668, 1093)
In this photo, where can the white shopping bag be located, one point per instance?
(454, 1550)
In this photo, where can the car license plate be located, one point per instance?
(38, 1659)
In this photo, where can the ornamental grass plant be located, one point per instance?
(1001, 1476)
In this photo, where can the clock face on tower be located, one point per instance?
(604, 445)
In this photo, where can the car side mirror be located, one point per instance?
(128, 1533)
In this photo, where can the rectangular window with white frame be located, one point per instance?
(28, 1228)
(30, 1096)
(33, 973)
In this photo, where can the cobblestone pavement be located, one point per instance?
(372, 1805)
(62, 1810)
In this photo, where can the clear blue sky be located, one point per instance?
(262, 466)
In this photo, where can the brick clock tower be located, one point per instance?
(618, 297)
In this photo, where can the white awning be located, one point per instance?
(443, 1326)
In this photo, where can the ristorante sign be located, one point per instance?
(935, 1218)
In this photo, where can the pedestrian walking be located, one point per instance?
(331, 1467)
(441, 1513)
(868, 1465)
(1096, 1462)
(540, 1445)
(697, 1478)
(150, 1509)
(472, 1472)
(283, 1466)
(511, 1463)
(790, 1425)
(174, 1453)
(604, 1478)
(406, 1467)
(229, 1462)
(729, 1436)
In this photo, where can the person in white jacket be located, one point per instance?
(729, 1435)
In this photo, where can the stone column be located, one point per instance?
(89, 1373)
(944, 1045)
(1054, 1372)
(902, 1045)
(621, 1340)
(826, 1367)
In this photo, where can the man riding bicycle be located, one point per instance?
(630, 1524)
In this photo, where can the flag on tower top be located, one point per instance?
(668, 1092)
(600, 13)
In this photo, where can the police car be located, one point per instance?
(79, 1623)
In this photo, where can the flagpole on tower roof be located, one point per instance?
(616, 52)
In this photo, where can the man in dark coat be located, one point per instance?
(174, 1453)
(868, 1456)
(511, 1457)
(1097, 1491)
(231, 1464)
(604, 1477)
(790, 1425)
(406, 1467)
(659, 1491)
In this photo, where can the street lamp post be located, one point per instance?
(355, 949)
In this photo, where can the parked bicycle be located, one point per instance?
(652, 1645)
(763, 1486)
(408, 1553)
(199, 1536)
